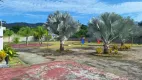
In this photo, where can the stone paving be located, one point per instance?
(31, 59)
(3, 64)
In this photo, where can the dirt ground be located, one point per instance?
(129, 66)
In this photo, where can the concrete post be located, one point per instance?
(1, 37)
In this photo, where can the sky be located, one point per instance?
(33, 11)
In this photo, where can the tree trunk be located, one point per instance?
(9, 39)
(106, 48)
(27, 41)
(122, 43)
(41, 40)
(61, 45)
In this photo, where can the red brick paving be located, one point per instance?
(57, 70)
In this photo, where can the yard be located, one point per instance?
(125, 63)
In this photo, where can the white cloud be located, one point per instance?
(83, 7)
(79, 6)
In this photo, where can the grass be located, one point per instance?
(16, 62)
(73, 44)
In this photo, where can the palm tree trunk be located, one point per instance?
(106, 48)
(122, 43)
(26, 40)
(61, 45)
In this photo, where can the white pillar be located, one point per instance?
(1, 38)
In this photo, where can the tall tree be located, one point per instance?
(82, 32)
(16, 28)
(128, 25)
(26, 32)
(8, 33)
(140, 24)
(107, 27)
(40, 32)
(63, 25)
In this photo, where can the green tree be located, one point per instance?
(26, 32)
(8, 33)
(82, 32)
(107, 27)
(16, 28)
(40, 32)
(140, 23)
(128, 25)
(16, 40)
(63, 25)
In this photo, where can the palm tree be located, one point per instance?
(8, 33)
(124, 34)
(107, 27)
(25, 31)
(40, 32)
(62, 25)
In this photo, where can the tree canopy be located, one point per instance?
(107, 27)
(63, 25)
(82, 32)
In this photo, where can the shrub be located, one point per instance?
(2, 55)
(114, 47)
(122, 47)
(16, 40)
(99, 50)
(125, 47)
(116, 51)
(109, 50)
(128, 46)
(8, 49)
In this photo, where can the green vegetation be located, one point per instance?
(16, 62)
(125, 33)
(8, 33)
(82, 32)
(108, 27)
(16, 40)
(39, 32)
(25, 31)
(63, 25)
(16, 29)
(9, 50)
(2, 55)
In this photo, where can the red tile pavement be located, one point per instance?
(29, 45)
(57, 70)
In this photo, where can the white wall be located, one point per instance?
(6, 39)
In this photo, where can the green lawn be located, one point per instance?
(16, 62)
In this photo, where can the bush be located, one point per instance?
(116, 51)
(128, 46)
(109, 50)
(99, 50)
(125, 47)
(114, 47)
(8, 49)
(2, 55)
(16, 40)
